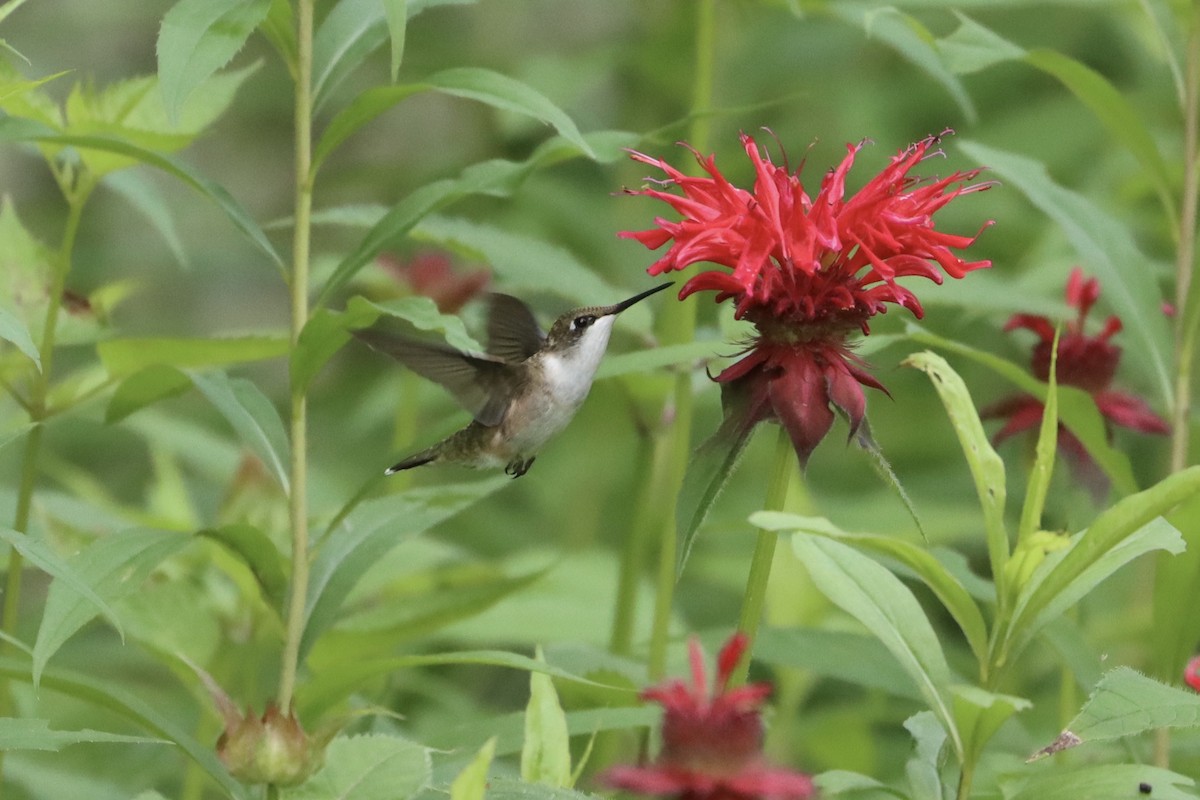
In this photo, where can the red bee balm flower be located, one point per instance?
(1191, 673)
(1086, 362)
(712, 745)
(807, 272)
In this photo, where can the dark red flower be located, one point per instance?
(808, 272)
(711, 742)
(1191, 673)
(433, 275)
(1084, 361)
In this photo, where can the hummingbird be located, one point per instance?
(522, 392)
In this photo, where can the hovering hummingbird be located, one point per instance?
(522, 392)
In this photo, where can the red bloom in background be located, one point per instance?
(712, 742)
(1191, 673)
(808, 272)
(1086, 362)
(434, 275)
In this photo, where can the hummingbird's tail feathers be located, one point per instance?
(415, 460)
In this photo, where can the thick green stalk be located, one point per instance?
(1185, 263)
(76, 199)
(764, 551)
(298, 505)
(679, 325)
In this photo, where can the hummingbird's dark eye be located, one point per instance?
(583, 322)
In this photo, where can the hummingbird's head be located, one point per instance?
(589, 327)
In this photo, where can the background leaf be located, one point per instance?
(253, 418)
(197, 38)
(35, 734)
(370, 767)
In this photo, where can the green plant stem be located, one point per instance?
(10, 617)
(679, 325)
(764, 552)
(1185, 264)
(298, 505)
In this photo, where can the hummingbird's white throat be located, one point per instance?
(569, 373)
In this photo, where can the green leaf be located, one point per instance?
(987, 470)
(10, 7)
(1076, 408)
(35, 734)
(111, 567)
(512, 789)
(972, 48)
(103, 692)
(923, 769)
(496, 177)
(1127, 703)
(980, 714)
(1176, 586)
(397, 20)
(1116, 781)
(932, 572)
(1107, 250)
(13, 330)
(1112, 107)
(371, 767)
(145, 197)
(472, 782)
(24, 130)
(526, 265)
(279, 28)
(1119, 535)
(907, 36)
(197, 38)
(1043, 466)
(260, 555)
(840, 783)
(143, 388)
(372, 530)
(546, 754)
(325, 689)
(886, 607)
(122, 357)
(252, 416)
(841, 655)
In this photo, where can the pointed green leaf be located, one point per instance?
(932, 572)
(143, 388)
(369, 767)
(980, 714)
(907, 36)
(1043, 465)
(260, 555)
(886, 607)
(122, 357)
(111, 567)
(1107, 250)
(397, 20)
(13, 330)
(472, 782)
(149, 201)
(14, 129)
(279, 28)
(373, 529)
(253, 417)
(546, 753)
(854, 658)
(1112, 107)
(102, 691)
(972, 48)
(1115, 781)
(10, 7)
(923, 769)
(1076, 408)
(35, 734)
(197, 38)
(987, 470)
(1176, 586)
(1127, 703)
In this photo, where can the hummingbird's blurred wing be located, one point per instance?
(476, 381)
(513, 333)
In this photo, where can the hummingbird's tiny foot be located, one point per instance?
(518, 467)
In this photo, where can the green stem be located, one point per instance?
(1185, 263)
(764, 552)
(10, 617)
(679, 325)
(298, 505)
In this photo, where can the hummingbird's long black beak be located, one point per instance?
(624, 304)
